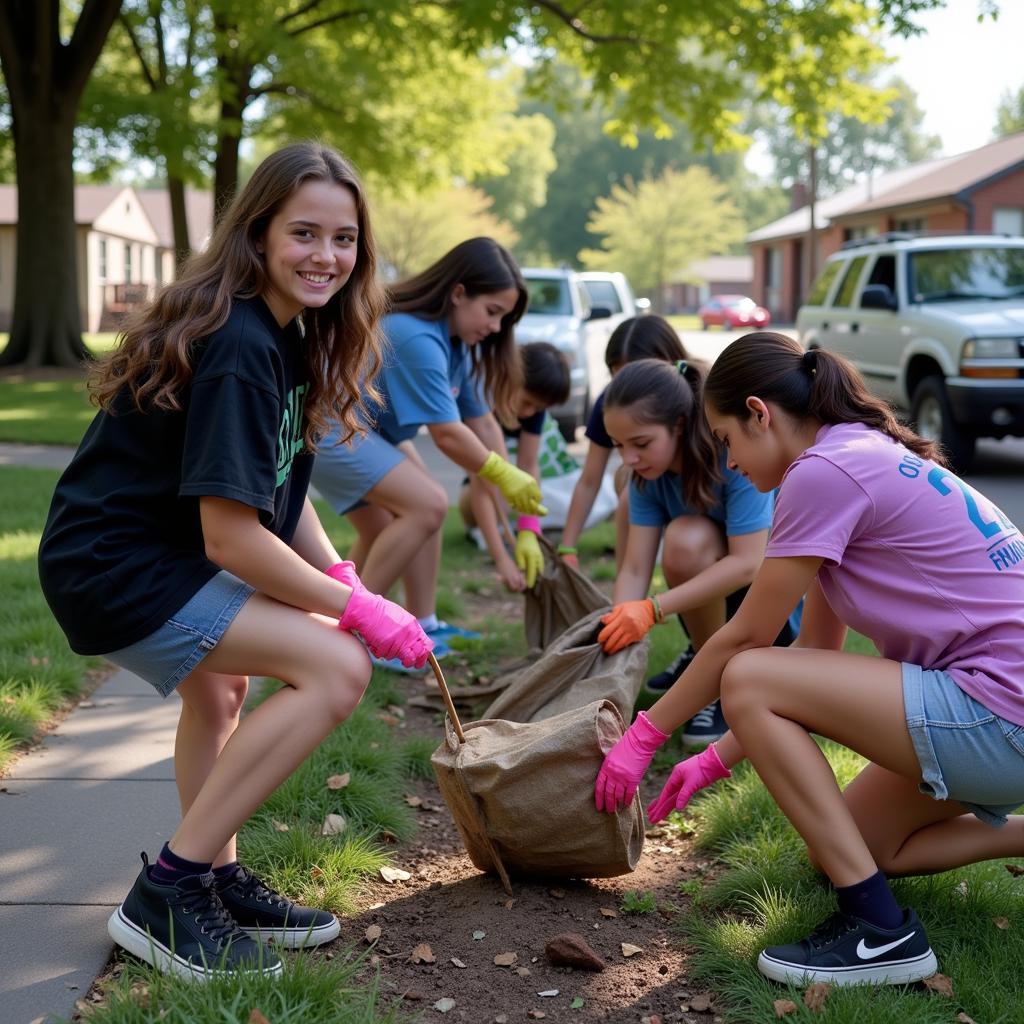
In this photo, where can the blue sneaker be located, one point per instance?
(441, 650)
(445, 631)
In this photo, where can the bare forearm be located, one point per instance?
(582, 502)
(460, 444)
(719, 580)
(311, 541)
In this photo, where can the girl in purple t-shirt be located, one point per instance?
(885, 539)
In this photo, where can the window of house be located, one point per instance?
(1006, 220)
(844, 297)
(914, 225)
(102, 259)
(158, 267)
(127, 263)
(861, 231)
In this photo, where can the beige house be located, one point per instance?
(125, 247)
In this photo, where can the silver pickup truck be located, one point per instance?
(936, 327)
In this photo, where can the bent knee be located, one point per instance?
(691, 544)
(342, 683)
(216, 696)
(741, 689)
(432, 506)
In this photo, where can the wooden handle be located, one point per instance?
(449, 704)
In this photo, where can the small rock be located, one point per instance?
(444, 1005)
(571, 950)
(523, 972)
(548, 993)
(457, 962)
(501, 1019)
(700, 1004)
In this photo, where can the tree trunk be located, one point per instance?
(179, 220)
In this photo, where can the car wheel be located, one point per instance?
(932, 417)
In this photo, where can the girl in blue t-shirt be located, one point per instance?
(451, 341)
(711, 522)
(182, 546)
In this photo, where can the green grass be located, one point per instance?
(38, 672)
(97, 343)
(44, 411)
(685, 321)
(765, 892)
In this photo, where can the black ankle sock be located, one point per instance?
(225, 871)
(170, 868)
(872, 901)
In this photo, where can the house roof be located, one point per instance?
(931, 180)
(90, 202)
(198, 212)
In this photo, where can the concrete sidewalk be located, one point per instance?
(75, 813)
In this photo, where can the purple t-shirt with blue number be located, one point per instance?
(915, 559)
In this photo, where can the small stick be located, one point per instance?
(449, 703)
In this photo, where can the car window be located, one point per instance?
(848, 288)
(548, 296)
(820, 289)
(884, 272)
(938, 275)
(603, 293)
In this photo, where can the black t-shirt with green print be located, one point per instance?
(123, 549)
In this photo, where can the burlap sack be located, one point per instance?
(560, 598)
(571, 672)
(522, 795)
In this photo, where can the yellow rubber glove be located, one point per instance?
(529, 556)
(520, 490)
(627, 623)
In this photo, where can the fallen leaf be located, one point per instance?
(375, 906)
(941, 984)
(509, 904)
(523, 972)
(558, 894)
(257, 1018)
(458, 963)
(815, 996)
(444, 1005)
(1014, 870)
(396, 710)
(339, 781)
(576, 1004)
(608, 912)
(316, 872)
(279, 826)
(505, 959)
(412, 995)
(962, 1018)
(700, 1003)
(784, 1006)
(334, 825)
(536, 1014)
(1001, 923)
(548, 993)
(413, 801)
(390, 720)
(478, 935)
(394, 875)
(630, 950)
(423, 954)
(372, 933)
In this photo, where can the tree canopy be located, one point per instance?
(1010, 113)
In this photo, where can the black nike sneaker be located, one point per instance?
(266, 914)
(848, 951)
(184, 929)
(707, 726)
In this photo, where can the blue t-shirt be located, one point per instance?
(595, 424)
(426, 378)
(739, 506)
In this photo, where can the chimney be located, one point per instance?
(797, 196)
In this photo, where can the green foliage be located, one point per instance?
(1010, 113)
(44, 411)
(655, 229)
(638, 902)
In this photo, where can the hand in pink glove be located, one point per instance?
(687, 778)
(625, 764)
(387, 629)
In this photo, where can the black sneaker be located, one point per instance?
(706, 726)
(663, 680)
(848, 951)
(184, 929)
(266, 914)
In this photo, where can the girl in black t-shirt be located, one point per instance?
(181, 543)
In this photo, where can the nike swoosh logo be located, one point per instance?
(866, 952)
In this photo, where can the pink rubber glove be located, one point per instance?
(687, 778)
(625, 764)
(387, 629)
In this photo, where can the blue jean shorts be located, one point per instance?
(171, 652)
(345, 473)
(967, 753)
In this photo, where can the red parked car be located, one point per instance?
(732, 312)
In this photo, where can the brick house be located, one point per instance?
(717, 275)
(978, 191)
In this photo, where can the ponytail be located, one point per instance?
(670, 394)
(817, 384)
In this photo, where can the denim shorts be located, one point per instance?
(345, 473)
(169, 653)
(967, 753)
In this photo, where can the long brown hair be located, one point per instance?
(817, 384)
(482, 267)
(669, 394)
(342, 339)
(643, 337)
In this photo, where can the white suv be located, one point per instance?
(936, 327)
(577, 312)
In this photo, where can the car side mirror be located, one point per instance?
(599, 313)
(878, 296)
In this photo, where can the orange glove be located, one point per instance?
(627, 623)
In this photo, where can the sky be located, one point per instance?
(961, 68)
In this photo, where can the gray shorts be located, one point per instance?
(171, 652)
(345, 473)
(967, 753)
